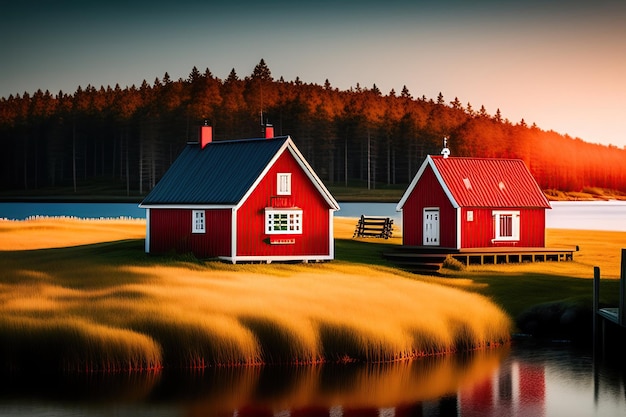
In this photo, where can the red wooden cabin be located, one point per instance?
(241, 201)
(458, 203)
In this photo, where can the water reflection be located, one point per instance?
(517, 389)
(517, 381)
(338, 390)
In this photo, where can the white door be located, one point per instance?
(431, 227)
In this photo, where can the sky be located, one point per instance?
(559, 64)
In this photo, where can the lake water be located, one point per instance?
(587, 215)
(21, 211)
(523, 380)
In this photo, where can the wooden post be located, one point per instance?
(622, 291)
(596, 301)
(596, 336)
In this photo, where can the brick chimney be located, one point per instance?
(269, 131)
(206, 135)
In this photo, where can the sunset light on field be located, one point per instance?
(108, 306)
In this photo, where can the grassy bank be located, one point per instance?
(82, 296)
(516, 287)
(548, 299)
(586, 194)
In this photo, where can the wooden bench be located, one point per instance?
(374, 227)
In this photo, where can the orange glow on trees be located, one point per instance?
(131, 135)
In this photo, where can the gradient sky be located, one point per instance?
(559, 64)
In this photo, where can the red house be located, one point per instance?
(459, 203)
(241, 200)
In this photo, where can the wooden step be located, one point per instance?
(424, 263)
(423, 269)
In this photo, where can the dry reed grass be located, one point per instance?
(110, 307)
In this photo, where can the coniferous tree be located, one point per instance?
(498, 116)
(194, 75)
(259, 93)
(231, 111)
(133, 134)
(405, 93)
(470, 110)
(456, 104)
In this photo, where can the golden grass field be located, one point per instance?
(44, 233)
(80, 295)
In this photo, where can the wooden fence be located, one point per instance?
(374, 227)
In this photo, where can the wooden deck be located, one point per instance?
(430, 258)
(611, 314)
(615, 315)
(609, 324)
(513, 254)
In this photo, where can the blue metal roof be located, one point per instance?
(219, 174)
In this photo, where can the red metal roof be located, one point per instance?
(488, 182)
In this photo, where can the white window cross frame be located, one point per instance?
(506, 225)
(283, 183)
(198, 221)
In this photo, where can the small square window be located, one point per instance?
(198, 224)
(283, 186)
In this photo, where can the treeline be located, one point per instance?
(130, 136)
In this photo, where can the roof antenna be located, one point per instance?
(262, 122)
(445, 151)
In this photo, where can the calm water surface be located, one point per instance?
(21, 211)
(522, 380)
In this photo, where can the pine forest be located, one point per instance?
(128, 137)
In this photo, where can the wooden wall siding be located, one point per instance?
(315, 239)
(480, 232)
(428, 193)
(170, 229)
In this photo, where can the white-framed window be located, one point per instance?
(283, 186)
(506, 224)
(198, 222)
(285, 221)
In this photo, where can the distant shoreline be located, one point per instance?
(69, 199)
(341, 194)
